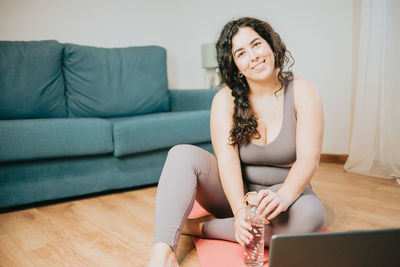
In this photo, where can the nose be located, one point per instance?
(253, 55)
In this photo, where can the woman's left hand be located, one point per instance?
(271, 204)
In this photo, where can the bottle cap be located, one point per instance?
(250, 198)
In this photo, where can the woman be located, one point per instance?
(266, 131)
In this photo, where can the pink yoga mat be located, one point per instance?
(219, 253)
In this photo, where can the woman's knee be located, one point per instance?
(182, 152)
(186, 155)
(315, 216)
(310, 214)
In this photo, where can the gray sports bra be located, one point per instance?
(282, 150)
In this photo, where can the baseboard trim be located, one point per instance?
(334, 158)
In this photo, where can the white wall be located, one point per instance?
(318, 33)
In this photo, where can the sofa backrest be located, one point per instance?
(31, 80)
(44, 79)
(110, 82)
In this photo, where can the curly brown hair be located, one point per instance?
(245, 122)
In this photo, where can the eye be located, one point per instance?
(256, 44)
(240, 54)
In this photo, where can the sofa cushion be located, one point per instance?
(51, 138)
(157, 131)
(191, 99)
(106, 82)
(31, 80)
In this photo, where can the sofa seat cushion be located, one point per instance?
(50, 138)
(112, 82)
(31, 80)
(157, 131)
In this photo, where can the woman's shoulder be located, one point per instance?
(304, 91)
(302, 86)
(224, 92)
(223, 97)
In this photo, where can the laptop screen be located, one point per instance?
(378, 248)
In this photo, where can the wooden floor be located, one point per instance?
(117, 229)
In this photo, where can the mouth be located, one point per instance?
(258, 65)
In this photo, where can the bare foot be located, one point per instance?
(195, 226)
(162, 255)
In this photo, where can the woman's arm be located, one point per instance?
(309, 134)
(230, 173)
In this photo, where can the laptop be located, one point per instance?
(377, 248)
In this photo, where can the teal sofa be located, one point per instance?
(77, 120)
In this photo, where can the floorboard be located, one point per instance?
(117, 229)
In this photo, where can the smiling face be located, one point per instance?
(252, 55)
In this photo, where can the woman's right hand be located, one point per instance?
(242, 228)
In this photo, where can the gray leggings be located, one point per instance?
(191, 173)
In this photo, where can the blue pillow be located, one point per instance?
(109, 82)
(31, 80)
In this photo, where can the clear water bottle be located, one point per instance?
(254, 251)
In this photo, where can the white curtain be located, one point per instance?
(375, 139)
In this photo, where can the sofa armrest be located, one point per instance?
(191, 99)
